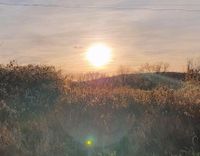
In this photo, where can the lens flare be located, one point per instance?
(89, 143)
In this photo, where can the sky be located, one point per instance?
(58, 32)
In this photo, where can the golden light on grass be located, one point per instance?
(99, 54)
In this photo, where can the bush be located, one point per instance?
(30, 89)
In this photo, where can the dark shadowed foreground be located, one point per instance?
(43, 113)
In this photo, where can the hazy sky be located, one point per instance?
(58, 32)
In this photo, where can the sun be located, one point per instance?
(99, 54)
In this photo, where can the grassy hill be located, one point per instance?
(43, 112)
(146, 81)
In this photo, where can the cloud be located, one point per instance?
(39, 34)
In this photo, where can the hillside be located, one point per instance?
(146, 81)
(43, 113)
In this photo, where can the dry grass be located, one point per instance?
(43, 113)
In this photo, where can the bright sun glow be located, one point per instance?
(99, 55)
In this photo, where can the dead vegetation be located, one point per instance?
(45, 113)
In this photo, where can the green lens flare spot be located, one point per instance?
(89, 143)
